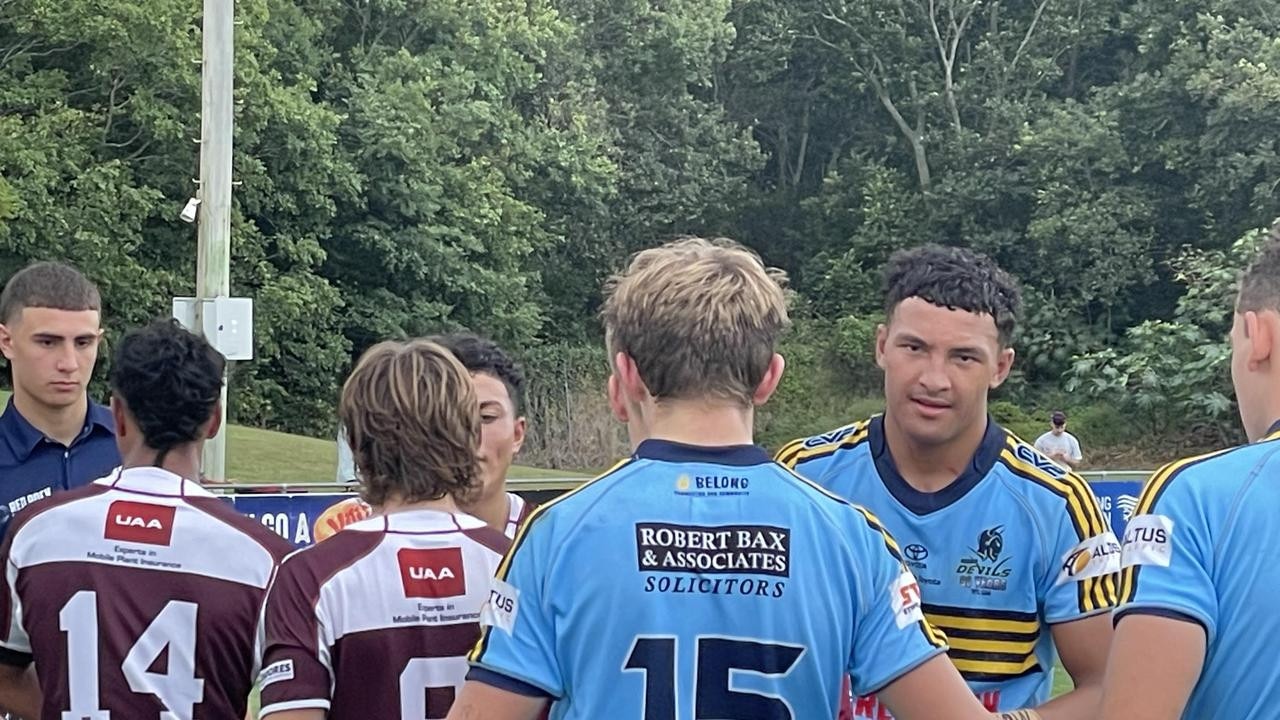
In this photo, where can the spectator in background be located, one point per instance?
(1061, 446)
(52, 436)
(346, 462)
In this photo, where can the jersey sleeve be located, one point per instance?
(296, 666)
(1168, 555)
(517, 648)
(891, 635)
(15, 646)
(1082, 559)
(1076, 455)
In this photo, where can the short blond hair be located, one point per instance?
(700, 318)
(413, 423)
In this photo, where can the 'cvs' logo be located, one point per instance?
(432, 573)
(140, 522)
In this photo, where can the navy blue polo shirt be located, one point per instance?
(33, 466)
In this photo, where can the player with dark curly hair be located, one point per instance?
(499, 383)
(139, 595)
(1013, 557)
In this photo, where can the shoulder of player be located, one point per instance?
(874, 530)
(828, 444)
(222, 511)
(573, 504)
(55, 504)
(309, 568)
(1045, 484)
(1216, 474)
(488, 538)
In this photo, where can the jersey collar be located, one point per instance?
(154, 481)
(675, 452)
(922, 503)
(1272, 431)
(23, 437)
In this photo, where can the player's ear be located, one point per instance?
(6, 341)
(1004, 363)
(215, 422)
(1261, 330)
(882, 337)
(617, 403)
(117, 415)
(517, 434)
(769, 383)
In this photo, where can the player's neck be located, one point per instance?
(705, 423)
(493, 510)
(395, 505)
(183, 460)
(61, 423)
(932, 467)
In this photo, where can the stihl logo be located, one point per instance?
(140, 522)
(432, 573)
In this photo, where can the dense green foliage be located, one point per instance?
(412, 167)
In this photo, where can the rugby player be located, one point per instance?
(139, 595)
(376, 621)
(1014, 559)
(1195, 631)
(699, 579)
(499, 386)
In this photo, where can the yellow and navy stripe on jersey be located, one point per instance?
(820, 446)
(931, 633)
(1155, 487)
(1015, 544)
(989, 645)
(1095, 593)
(1200, 549)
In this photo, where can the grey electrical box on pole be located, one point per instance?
(213, 262)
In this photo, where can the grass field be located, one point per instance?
(264, 456)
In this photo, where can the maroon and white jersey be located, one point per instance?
(376, 621)
(517, 510)
(137, 596)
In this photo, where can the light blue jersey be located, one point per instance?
(1013, 546)
(693, 582)
(1202, 547)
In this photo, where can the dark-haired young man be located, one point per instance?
(139, 595)
(1196, 631)
(1014, 559)
(499, 386)
(52, 437)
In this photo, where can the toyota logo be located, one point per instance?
(916, 552)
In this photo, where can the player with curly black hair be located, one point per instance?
(106, 580)
(499, 383)
(1011, 551)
